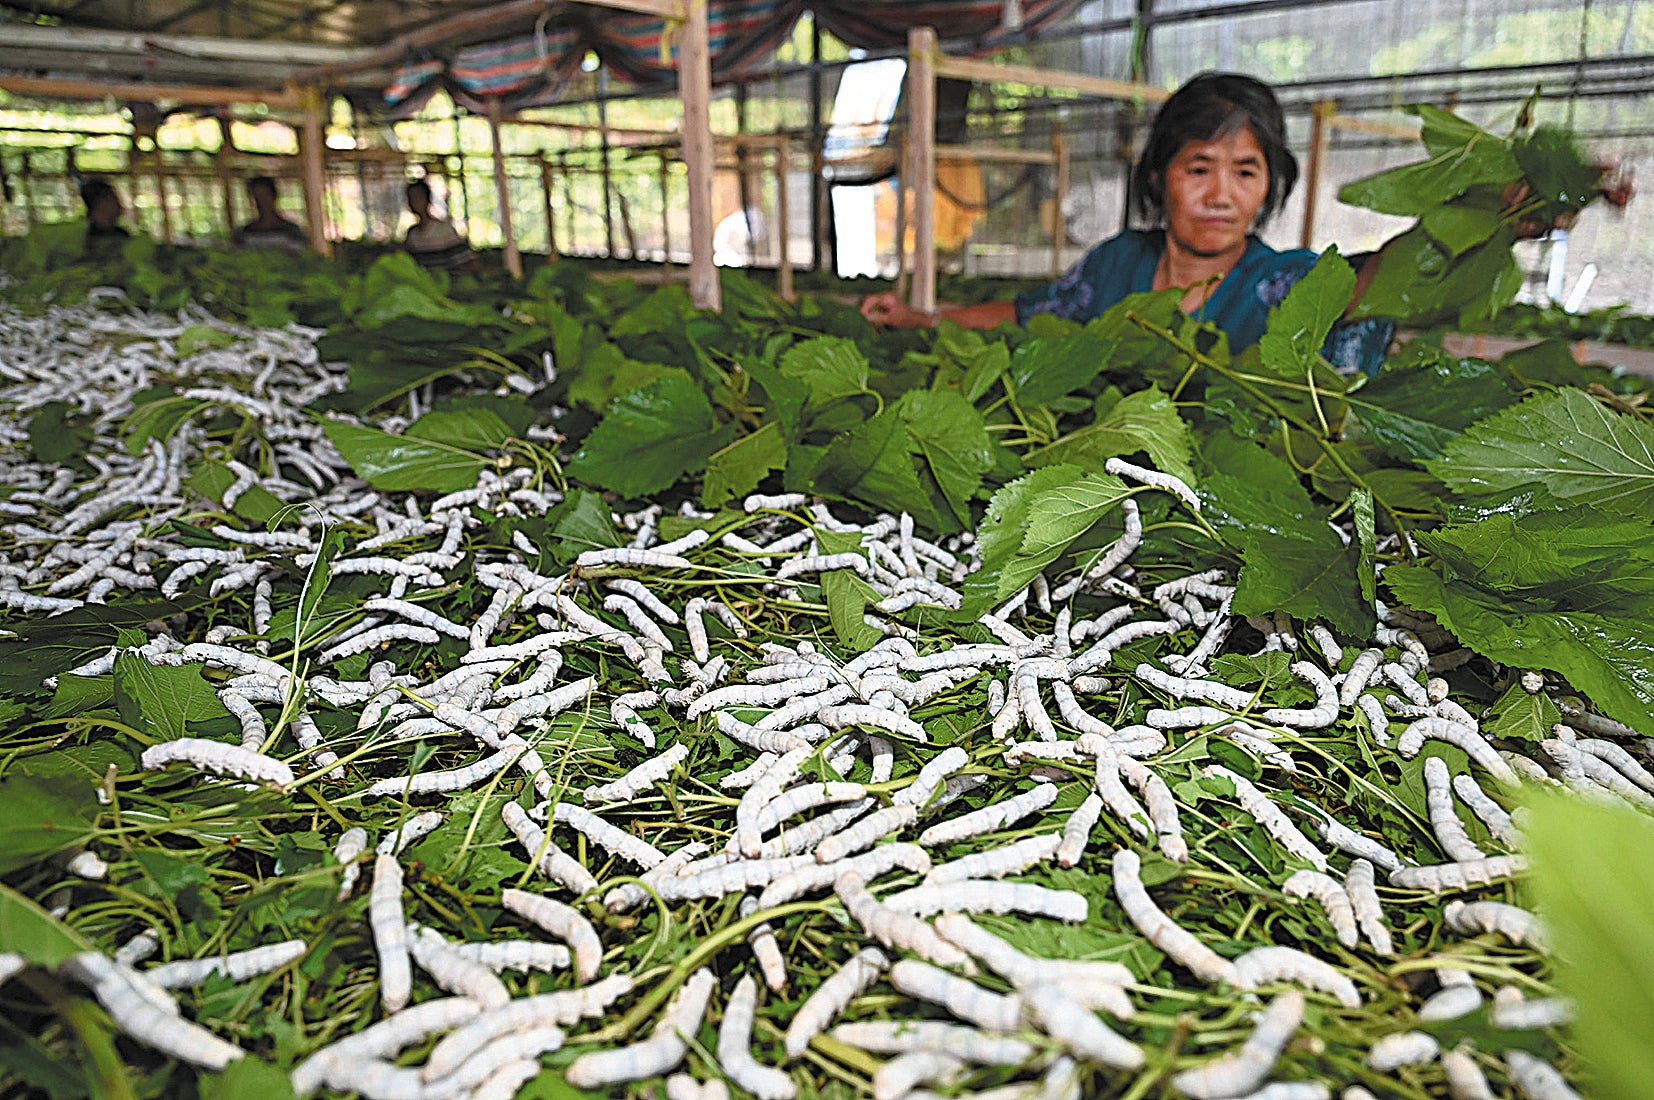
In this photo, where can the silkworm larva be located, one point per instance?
(498, 955)
(130, 953)
(1333, 899)
(220, 759)
(505, 1082)
(1517, 925)
(1537, 1079)
(640, 778)
(564, 922)
(1078, 1029)
(890, 928)
(607, 836)
(772, 741)
(134, 1013)
(781, 502)
(1346, 839)
(484, 1062)
(1177, 718)
(1474, 744)
(832, 996)
(1209, 691)
(735, 1047)
(812, 876)
(1444, 820)
(1162, 808)
(457, 779)
(1160, 930)
(1363, 894)
(991, 896)
(901, 1075)
(1170, 483)
(662, 1051)
(563, 1008)
(624, 897)
(390, 933)
(1441, 877)
(1400, 1049)
(765, 950)
(997, 862)
(869, 830)
(990, 1011)
(1490, 813)
(237, 966)
(352, 843)
(1465, 1079)
(1325, 711)
(1020, 969)
(382, 1040)
(627, 555)
(1274, 820)
(454, 972)
(1458, 996)
(1076, 831)
(1513, 1012)
(992, 817)
(1263, 965)
(1243, 1071)
(845, 715)
(965, 1043)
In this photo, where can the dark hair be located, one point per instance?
(1208, 107)
(94, 191)
(419, 187)
(258, 182)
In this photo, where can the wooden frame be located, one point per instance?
(1324, 119)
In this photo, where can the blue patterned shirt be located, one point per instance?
(1240, 305)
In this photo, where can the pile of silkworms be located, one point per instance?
(668, 731)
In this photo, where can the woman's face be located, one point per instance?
(1214, 190)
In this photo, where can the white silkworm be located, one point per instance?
(220, 759)
(799, 799)
(1274, 820)
(563, 1008)
(1178, 718)
(990, 818)
(1489, 812)
(1209, 691)
(564, 922)
(890, 928)
(1263, 965)
(662, 1051)
(418, 615)
(993, 863)
(1161, 806)
(548, 858)
(1401, 1049)
(390, 933)
(608, 837)
(253, 729)
(735, 1047)
(627, 555)
(1369, 914)
(900, 1076)
(409, 832)
(718, 876)
(770, 741)
(1325, 711)
(822, 563)
(832, 996)
(646, 599)
(990, 896)
(1624, 762)
(1346, 839)
(845, 715)
(118, 990)
(1334, 901)
(1404, 682)
(1519, 926)
(1078, 1029)
(1076, 831)
(1326, 643)
(811, 876)
(1361, 672)
(1537, 1079)
(993, 1012)
(780, 502)
(458, 779)
(499, 955)
(1155, 479)
(237, 966)
(130, 953)
(1244, 1070)
(1027, 970)
(640, 778)
(1444, 820)
(869, 830)
(624, 897)
(1441, 877)
(87, 865)
(351, 844)
(1513, 1012)
(800, 710)
(756, 695)
(382, 1040)
(1465, 1079)
(749, 838)
(505, 1081)
(968, 1044)
(1173, 940)
(454, 972)
(392, 632)
(747, 776)
(1474, 744)
(1458, 996)
(638, 619)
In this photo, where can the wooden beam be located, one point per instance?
(312, 148)
(921, 160)
(502, 192)
(695, 90)
(391, 53)
(994, 154)
(1370, 126)
(1318, 134)
(962, 68)
(188, 94)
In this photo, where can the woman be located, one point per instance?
(271, 229)
(1216, 167)
(432, 241)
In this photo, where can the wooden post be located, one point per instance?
(695, 89)
(1319, 131)
(1059, 221)
(226, 176)
(921, 156)
(784, 263)
(551, 214)
(626, 224)
(312, 148)
(502, 193)
(161, 190)
(568, 202)
(901, 219)
(665, 210)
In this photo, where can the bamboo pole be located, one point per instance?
(665, 210)
(312, 148)
(987, 71)
(226, 177)
(921, 132)
(695, 89)
(188, 94)
(551, 213)
(1319, 131)
(1059, 220)
(502, 192)
(784, 263)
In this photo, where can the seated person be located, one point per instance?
(103, 214)
(433, 241)
(270, 229)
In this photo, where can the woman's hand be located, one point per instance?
(888, 309)
(1615, 189)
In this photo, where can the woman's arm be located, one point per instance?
(888, 309)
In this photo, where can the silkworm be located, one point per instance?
(662, 1051)
(237, 966)
(990, 896)
(382, 1040)
(1078, 1029)
(990, 818)
(1624, 762)
(1244, 1070)
(901, 1075)
(1450, 831)
(1401, 1049)
(499, 955)
(1465, 1080)
(1178, 718)
(1517, 925)
(722, 876)
(808, 707)
(1266, 813)
(562, 921)
(87, 865)
(646, 599)
(640, 778)
(1346, 839)
(458, 779)
(409, 832)
(1364, 903)
(1155, 479)
(505, 1081)
(1441, 877)
(1325, 711)
(1326, 643)
(1361, 672)
(812, 876)
(890, 928)
(1027, 970)
(134, 1013)
(418, 615)
(548, 858)
(808, 797)
(627, 555)
(822, 563)
(1263, 965)
(1076, 832)
(1458, 996)
(968, 1044)
(1378, 723)
(454, 972)
(771, 741)
(735, 1047)
(351, 844)
(563, 1008)
(1334, 901)
(390, 933)
(1160, 930)
(219, 758)
(993, 1012)
(997, 862)
(1474, 744)
(130, 953)
(1209, 691)
(749, 838)
(1162, 808)
(624, 897)
(1489, 812)
(1404, 682)
(869, 830)
(1513, 1012)
(606, 836)
(845, 715)
(1535, 1078)
(832, 996)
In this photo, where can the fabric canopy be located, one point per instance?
(535, 69)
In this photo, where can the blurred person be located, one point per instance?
(271, 229)
(432, 241)
(104, 210)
